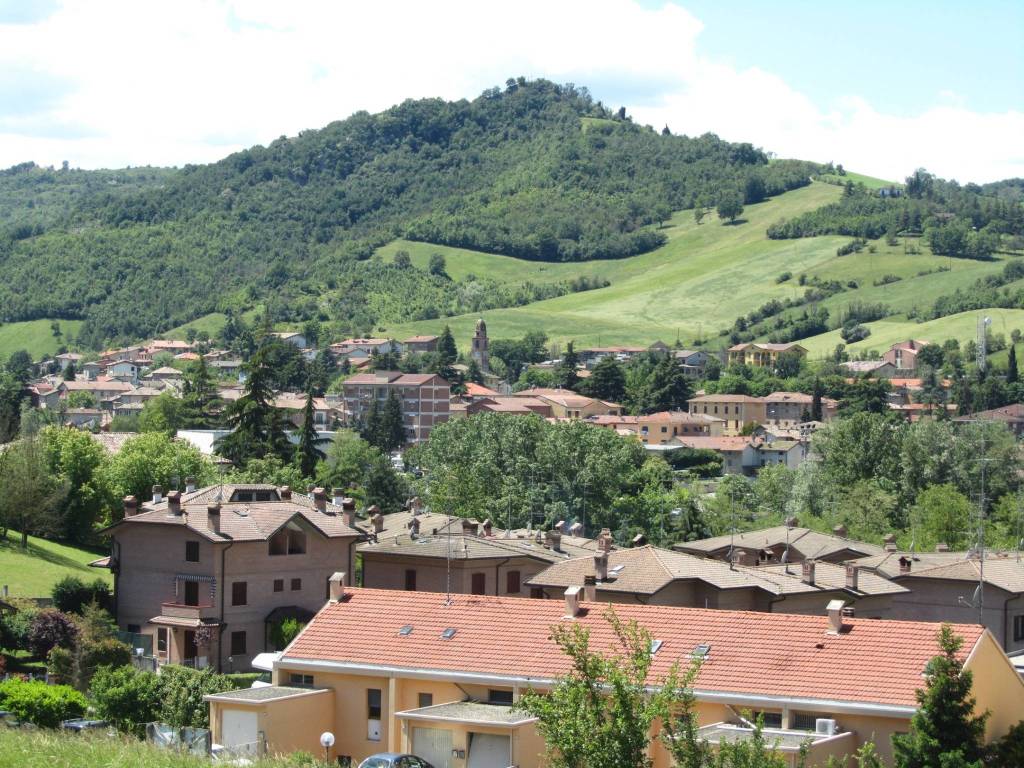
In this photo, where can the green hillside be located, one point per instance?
(702, 279)
(33, 573)
(36, 336)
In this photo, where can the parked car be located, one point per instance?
(394, 760)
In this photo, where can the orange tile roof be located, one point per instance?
(872, 662)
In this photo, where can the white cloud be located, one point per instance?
(189, 81)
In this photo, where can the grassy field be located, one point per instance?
(36, 336)
(33, 573)
(886, 332)
(701, 280)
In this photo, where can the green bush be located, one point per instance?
(127, 697)
(71, 594)
(14, 626)
(39, 703)
(284, 631)
(182, 691)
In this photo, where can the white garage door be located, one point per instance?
(434, 745)
(238, 730)
(489, 751)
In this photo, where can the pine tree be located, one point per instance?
(944, 730)
(383, 486)
(607, 381)
(446, 349)
(1012, 376)
(257, 426)
(816, 413)
(391, 434)
(667, 388)
(565, 371)
(200, 401)
(69, 372)
(473, 372)
(370, 428)
(307, 454)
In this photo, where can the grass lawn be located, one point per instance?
(33, 573)
(36, 337)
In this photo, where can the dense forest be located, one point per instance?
(535, 170)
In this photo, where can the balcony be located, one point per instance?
(190, 612)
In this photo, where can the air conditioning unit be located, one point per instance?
(825, 726)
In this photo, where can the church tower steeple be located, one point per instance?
(479, 351)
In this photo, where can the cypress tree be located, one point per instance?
(392, 431)
(816, 413)
(1012, 375)
(307, 454)
(257, 426)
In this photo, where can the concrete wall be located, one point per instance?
(998, 688)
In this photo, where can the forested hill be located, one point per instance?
(534, 170)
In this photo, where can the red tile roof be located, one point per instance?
(871, 662)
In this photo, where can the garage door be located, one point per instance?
(489, 751)
(238, 730)
(434, 745)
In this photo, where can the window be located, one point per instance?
(191, 593)
(479, 584)
(373, 703)
(161, 641)
(537, 593)
(133, 629)
(499, 697)
(296, 585)
(290, 540)
(771, 719)
(279, 585)
(426, 700)
(410, 580)
(239, 593)
(1018, 628)
(664, 430)
(192, 551)
(305, 681)
(512, 582)
(238, 643)
(801, 721)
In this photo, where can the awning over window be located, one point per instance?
(195, 577)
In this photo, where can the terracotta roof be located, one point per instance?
(863, 366)
(241, 521)
(113, 442)
(419, 339)
(478, 390)
(713, 443)
(166, 370)
(871, 662)
(460, 546)
(1009, 413)
(811, 544)
(724, 399)
(1002, 569)
(678, 417)
(393, 377)
(101, 386)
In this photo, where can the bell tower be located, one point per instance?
(479, 350)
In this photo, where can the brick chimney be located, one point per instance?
(554, 538)
(572, 602)
(337, 585)
(590, 588)
(808, 572)
(378, 521)
(414, 527)
(576, 529)
(470, 527)
(338, 497)
(213, 517)
(190, 484)
(601, 566)
(416, 505)
(174, 502)
(131, 506)
(320, 500)
(487, 527)
(285, 492)
(605, 540)
(560, 526)
(309, 489)
(835, 616)
(852, 576)
(839, 531)
(639, 540)
(158, 494)
(905, 564)
(890, 542)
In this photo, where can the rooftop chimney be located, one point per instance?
(213, 516)
(601, 566)
(320, 500)
(890, 542)
(337, 582)
(576, 529)
(414, 527)
(839, 530)
(131, 506)
(905, 564)
(942, 547)
(808, 572)
(792, 522)
(555, 539)
(470, 527)
(590, 588)
(639, 540)
(416, 505)
(190, 484)
(285, 492)
(560, 526)
(309, 489)
(835, 616)
(572, 602)
(744, 557)
(488, 527)
(852, 576)
(158, 494)
(338, 496)
(174, 502)
(378, 522)
(605, 540)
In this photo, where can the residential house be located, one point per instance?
(763, 355)
(789, 453)
(221, 565)
(83, 418)
(520, 406)
(768, 545)
(124, 370)
(439, 676)
(739, 454)
(229, 368)
(953, 586)
(591, 357)
(1010, 415)
(166, 374)
(566, 404)
(425, 399)
(104, 390)
(662, 427)
(654, 576)
(879, 369)
(44, 394)
(170, 346)
(420, 344)
(903, 354)
(789, 409)
(325, 415)
(92, 370)
(736, 411)
(69, 358)
(367, 346)
(692, 361)
(294, 338)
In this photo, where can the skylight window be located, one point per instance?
(617, 569)
(656, 646)
(449, 633)
(701, 651)
(406, 630)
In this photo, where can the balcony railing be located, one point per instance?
(181, 611)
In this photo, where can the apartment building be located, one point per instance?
(790, 409)
(425, 399)
(207, 572)
(762, 355)
(767, 546)
(736, 411)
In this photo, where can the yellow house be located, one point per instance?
(762, 355)
(736, 411)
(438, 676)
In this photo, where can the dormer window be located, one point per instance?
(290, 540)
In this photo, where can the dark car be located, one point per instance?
(394, 760)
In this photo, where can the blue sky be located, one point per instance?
(881, 87)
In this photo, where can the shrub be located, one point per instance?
(127, 697)
(49, 629)
(784, 277)
(182, 691)
(283, 632)
(14, 626)
(71, 594)
(886, 279)
(1008, 752)
(39, 703)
